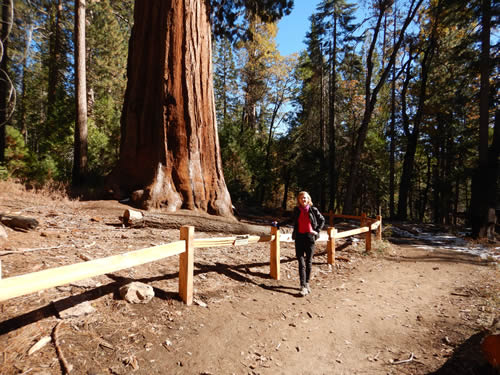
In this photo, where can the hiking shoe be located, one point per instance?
(304, 292)
(308, 288)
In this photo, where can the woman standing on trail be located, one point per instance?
(307, 223)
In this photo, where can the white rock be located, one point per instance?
(39, 344)
(3, 232)
(86, 283)
(76, 311)
(200, 303)
(137, 292)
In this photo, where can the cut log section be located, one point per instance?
(131, 217)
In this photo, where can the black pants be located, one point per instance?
(304, 250)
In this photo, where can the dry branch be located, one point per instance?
(65, 366)
(7, 252)
(404, 360)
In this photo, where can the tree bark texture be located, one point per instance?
(55, 47)
(169, 152)
(80, 147)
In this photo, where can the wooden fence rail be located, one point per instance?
(20, 285)
(16, 286)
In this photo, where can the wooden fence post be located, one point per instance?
(330, 213)
(330, 245)
(275, 254)
(186, 266)
(379, 229)
(368, 238)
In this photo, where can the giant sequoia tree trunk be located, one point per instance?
(169, 154)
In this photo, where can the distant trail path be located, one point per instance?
(429, 237)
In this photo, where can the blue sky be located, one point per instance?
(292, 28)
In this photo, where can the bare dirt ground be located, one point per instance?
(397, 310)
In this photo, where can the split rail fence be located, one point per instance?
(20, 285)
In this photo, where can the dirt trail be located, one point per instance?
(358, 323)
(363, 316)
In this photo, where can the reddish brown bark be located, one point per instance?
(169, 155)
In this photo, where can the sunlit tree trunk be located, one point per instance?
(169, 153)
(55, 47)
(80, 146)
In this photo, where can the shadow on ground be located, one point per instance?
(241, 272)
(468, 359)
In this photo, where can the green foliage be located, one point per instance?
(24, 165)
(41, 49)
(229, 23)
(4, 172)
(102, 152)
(237, 171)
(16, 153)
(273, 113)
(107, 41)
(225, 80)
(252, 85)
(43, 171)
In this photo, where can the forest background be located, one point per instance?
(395, 113)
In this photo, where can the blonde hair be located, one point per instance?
(306, 194)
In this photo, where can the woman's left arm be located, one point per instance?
(320, 220)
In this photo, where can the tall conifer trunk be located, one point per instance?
(170, 154)
(371, 95)
(55, 47)
(80, 146)
(481, 191)
(4, 84)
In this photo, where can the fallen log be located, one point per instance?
(201, 222)
(18, 222)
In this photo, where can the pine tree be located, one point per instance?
(337, 17)
(372, 89)
(108, 33)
